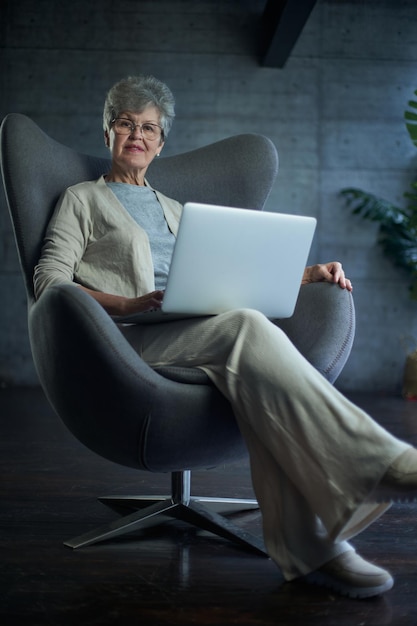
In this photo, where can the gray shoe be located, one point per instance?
(352, 576)
(399, 484)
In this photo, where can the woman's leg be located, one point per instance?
(294, 536)
(327, 454)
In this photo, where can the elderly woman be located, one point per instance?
(322, 469)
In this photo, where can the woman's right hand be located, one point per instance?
(121, 306)
(141, 304)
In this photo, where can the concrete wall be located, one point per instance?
(334, 113)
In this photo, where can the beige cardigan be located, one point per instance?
(92, 240)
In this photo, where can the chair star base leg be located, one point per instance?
(150, 511)
(158, 513)
(122, 504)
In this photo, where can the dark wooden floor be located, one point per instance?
(175, 575)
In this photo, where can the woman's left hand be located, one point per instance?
(328, 273)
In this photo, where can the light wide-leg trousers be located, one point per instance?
(315, 457)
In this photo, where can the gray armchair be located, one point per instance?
(172, 419)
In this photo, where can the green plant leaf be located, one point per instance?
(373, 208)
(411, 120)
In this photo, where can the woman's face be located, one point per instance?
(132, 153)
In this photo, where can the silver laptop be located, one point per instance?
(229, 258)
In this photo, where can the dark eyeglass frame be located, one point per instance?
(132, 127)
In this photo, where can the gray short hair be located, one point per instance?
(135, 93)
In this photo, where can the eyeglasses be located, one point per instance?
(124, 126)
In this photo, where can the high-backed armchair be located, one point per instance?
(171, 420)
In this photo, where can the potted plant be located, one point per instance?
(397, 235)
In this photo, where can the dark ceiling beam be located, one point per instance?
(283, 21)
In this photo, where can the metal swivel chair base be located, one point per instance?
(151, 511)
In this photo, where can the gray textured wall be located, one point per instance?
(334, 113)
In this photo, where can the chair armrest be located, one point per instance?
(323, 327)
